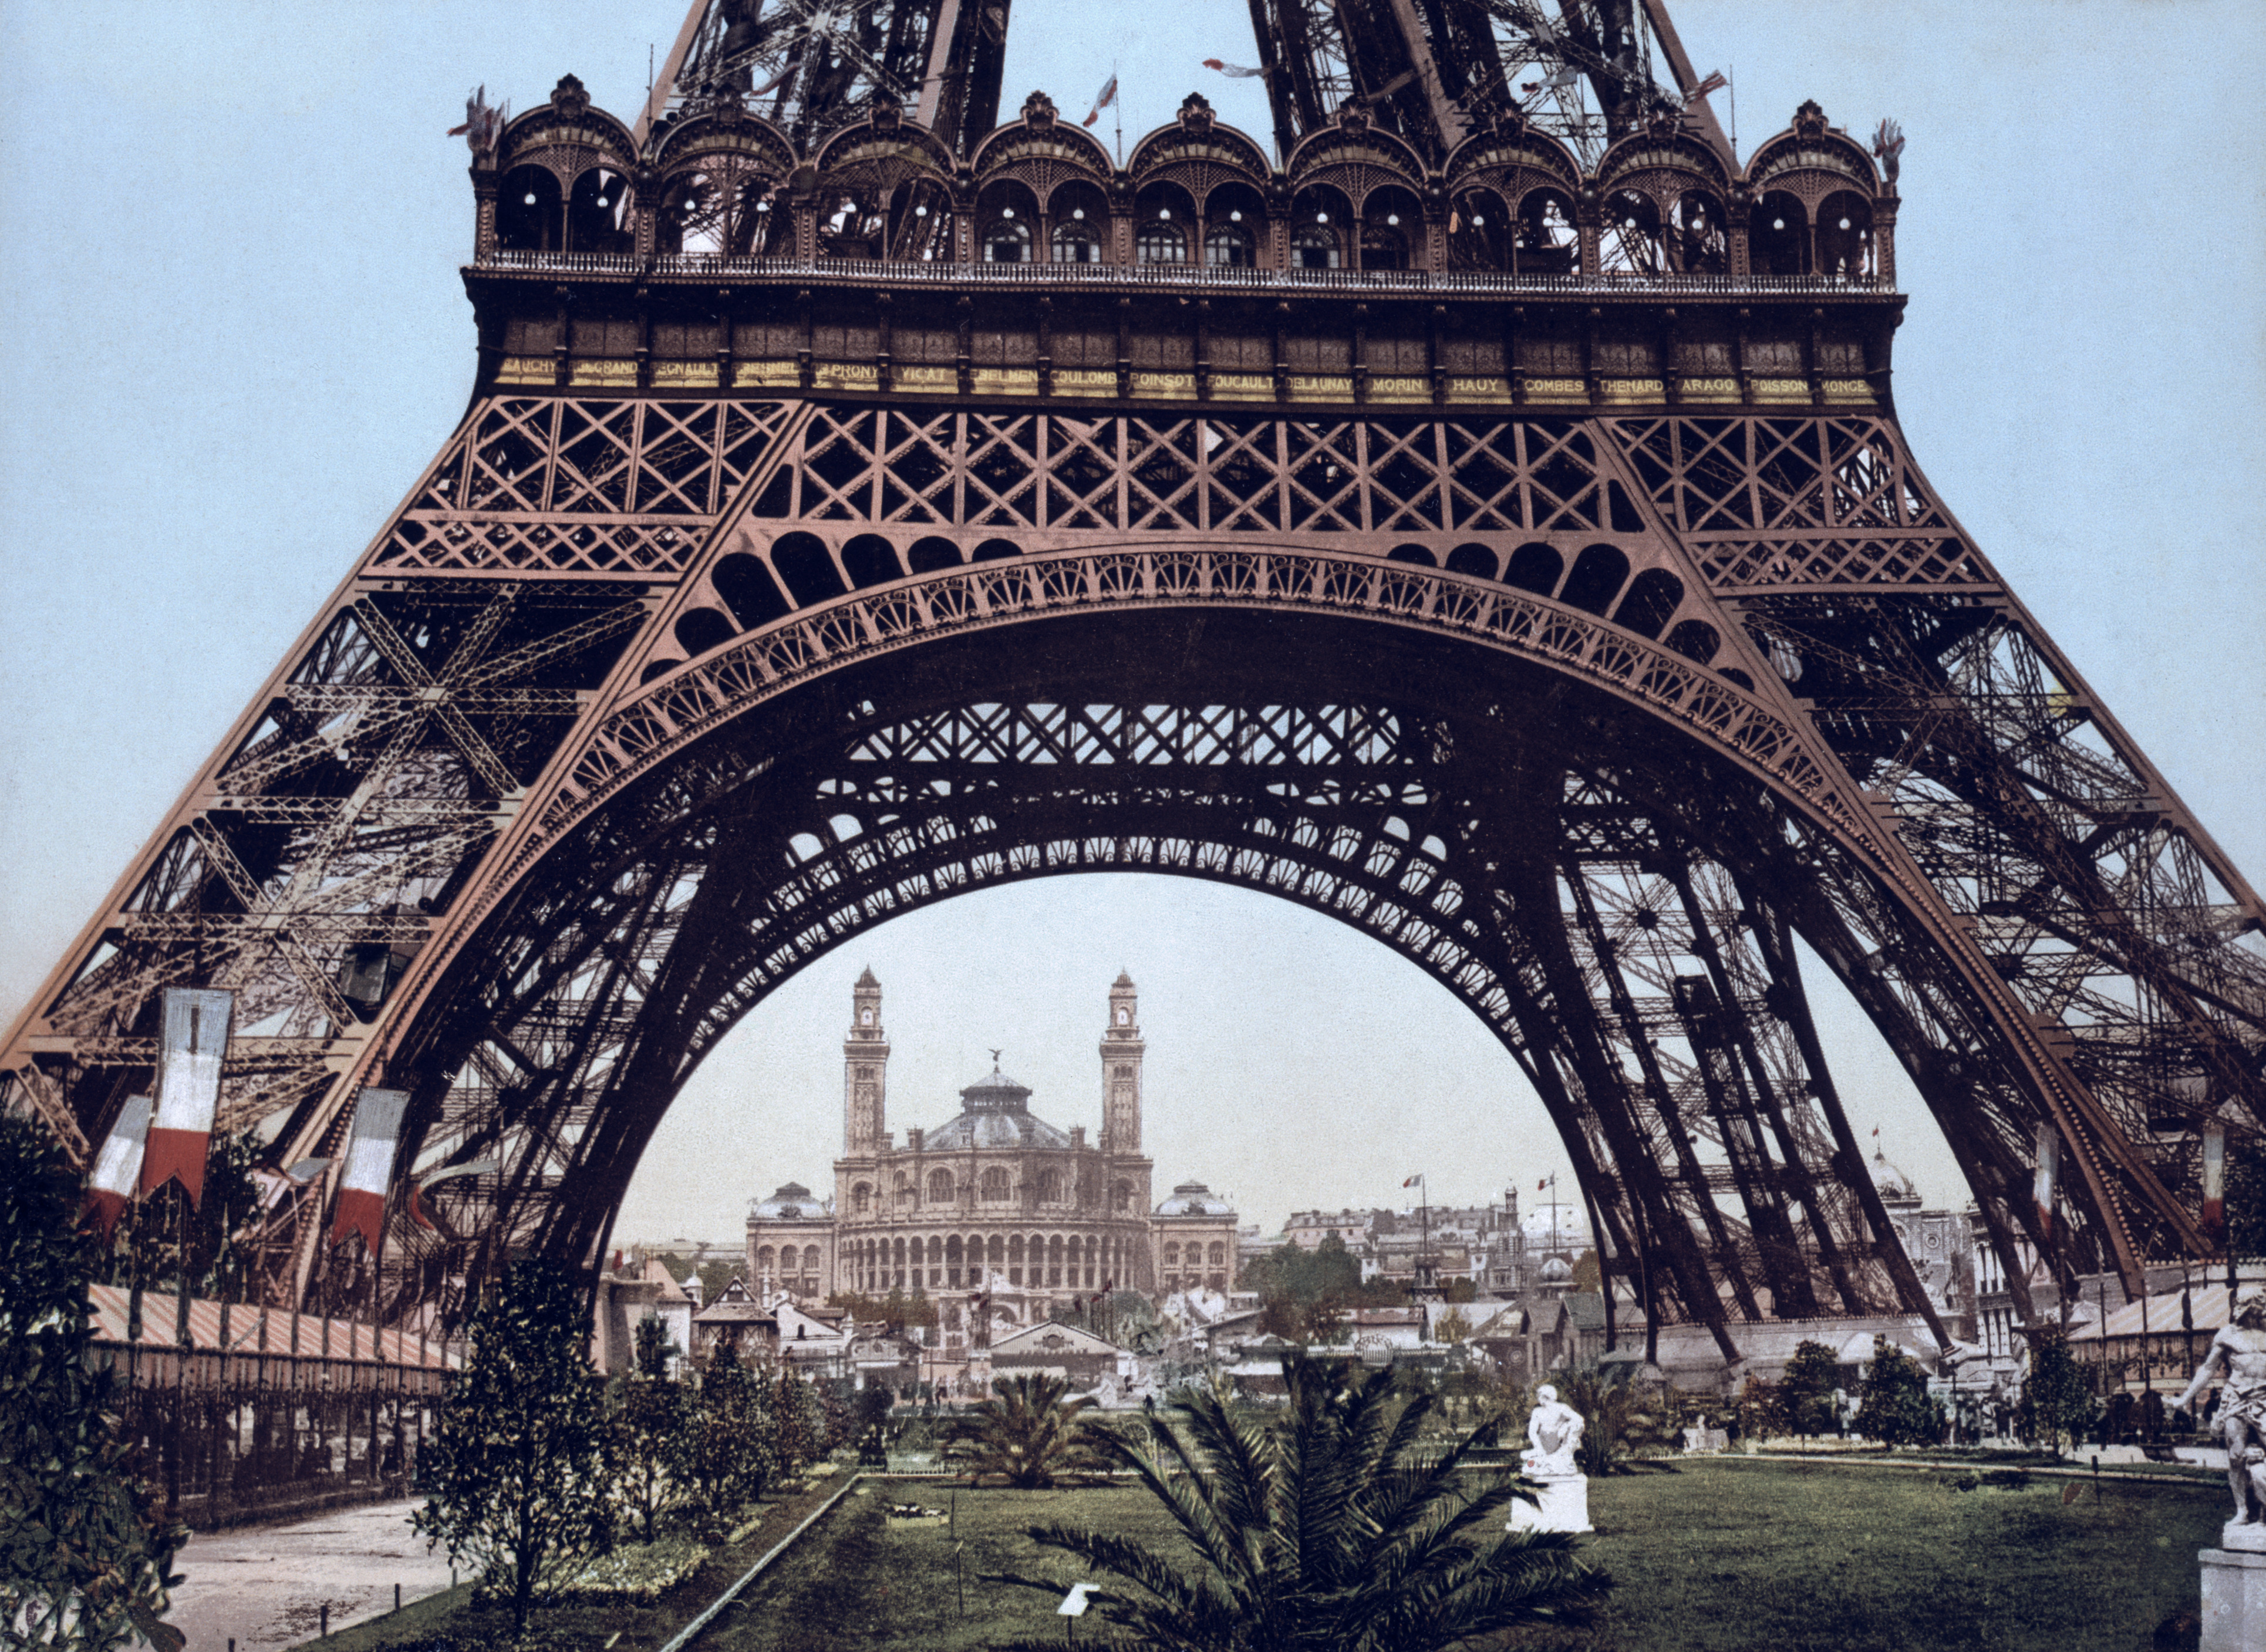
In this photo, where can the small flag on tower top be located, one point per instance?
(1713, 83)
(1233, 71)
(1102, 100)
(1540, 1184)
(1413, 1180)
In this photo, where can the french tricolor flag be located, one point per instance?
(370, 1166)
(195, 1039)
(118, 1167)
(2042, 1185)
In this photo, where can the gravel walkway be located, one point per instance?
(264, 1587)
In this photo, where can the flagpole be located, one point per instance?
(1117, 108)
(1424, 1212)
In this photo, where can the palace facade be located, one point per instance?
(997, 1201)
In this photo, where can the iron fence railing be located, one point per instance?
(224, 1439)
(1162, 277)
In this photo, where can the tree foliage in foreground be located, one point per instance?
(1327, 1525)
(83, 1552)
(517, 1461)
(1029, 1435)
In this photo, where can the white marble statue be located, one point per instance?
(2238, 1357)
(1554, 1429)
(1563, 1500)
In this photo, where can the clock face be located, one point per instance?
(865, 1018)
(1123, 1016)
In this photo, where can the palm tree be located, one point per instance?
(1621, 1419)
(1028, 1433)
(1324, 1528)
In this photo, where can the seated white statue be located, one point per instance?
(1554, 1429)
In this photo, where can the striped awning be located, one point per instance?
(346, 1340)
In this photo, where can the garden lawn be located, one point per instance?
(1712, 1556)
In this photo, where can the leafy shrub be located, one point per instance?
(84, 1551)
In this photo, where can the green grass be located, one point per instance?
(1715, 1556)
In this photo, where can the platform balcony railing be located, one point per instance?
(1174, 277)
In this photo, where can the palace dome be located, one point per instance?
(1893, 1185)
(792, 1203)
(995, 1111)
(1193, 1198)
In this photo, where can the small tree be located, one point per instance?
(1892, 1405)
(1453, 1327)
(800, 1424)
(652, 1348)
(1589, 1272)
(517, 1461)
(727, 1449)
(1761, 1413)
(1027, 1434)
(83, 1551)
(2056, 1405)
(641, 1444)
(1807, 1390)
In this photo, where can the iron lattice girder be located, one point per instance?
(1029, 813)
(811, 66)
(1949, 796)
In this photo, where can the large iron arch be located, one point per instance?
(1615, 891)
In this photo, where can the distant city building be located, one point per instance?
(1484, 1244)
(996, 1203)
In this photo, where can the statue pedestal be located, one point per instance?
(2235, 1596)
(1564, 1507)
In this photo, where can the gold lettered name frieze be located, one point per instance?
(1321, 386)
(1781, 389)
(1484, 390)
(846, 376)
(765, 376)
(1084, 381)
(1709, 389)
(1243, 387)
(1401, 389)
(1849, 390)
(609, 372)
(684, 375)
(1004, 381)
(1632, 390)
(527, 369)
(1557, 389)
(1165, 386)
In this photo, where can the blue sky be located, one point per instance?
(234, 333)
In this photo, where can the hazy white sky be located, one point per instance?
(234, 333)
